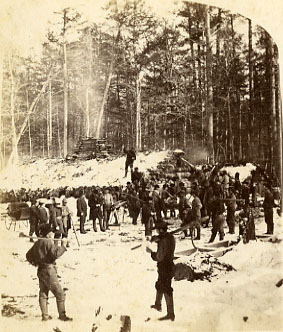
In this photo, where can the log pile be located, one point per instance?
(200, 266)
(89, 148)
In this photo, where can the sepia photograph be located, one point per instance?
(141, 166)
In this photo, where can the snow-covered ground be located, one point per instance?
(54, 173)
(105, 273)
(244, 171)
(104, 278)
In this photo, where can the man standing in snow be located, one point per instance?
(95, 203)
(268, 205)
(44, 254)
(82, 211)
(196, 214)
(43, 213)
(231, 208)
(217, 210)
(166, 268)
(107, 206)
(33, 220)
(66, 218)
(131, 157)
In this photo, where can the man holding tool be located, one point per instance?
(165, 267)
(44, 254)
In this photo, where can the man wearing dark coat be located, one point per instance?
(44, 254)
(82, 211)
(217, 209)
(166, 269)
(43, 213)
(33, 219)
(130, 158)
(95, 203)
(268, 205)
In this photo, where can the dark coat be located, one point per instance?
(131, 156)
(44, 252)
(42, 215)
(81, 206)
(95, 203)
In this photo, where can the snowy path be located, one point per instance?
(105, 273)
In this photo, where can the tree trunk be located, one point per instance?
(47, 133)
(273, 132)
(138, 110)
(192, 51)
(230, 133)
(50, 119)
(87, 112)
(14, 154)
(209, 86)
(65, 68)
(23, 127)
(65, 130)
(1, 120)
(251, 94)
(58, 134)
(106, 90)
(29, 131)
(240, 130)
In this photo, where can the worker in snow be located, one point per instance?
(95, 203)
(130, 158)
(66, 218)
(196, 214)
(231, 209)
(166, 269)
(44, 254)
(33, 219)
(107, 207)
(217, 210)
(82, 211)
(268, 205)
(43, 212)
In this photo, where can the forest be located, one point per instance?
(204, 80)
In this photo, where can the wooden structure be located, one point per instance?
(91, 148)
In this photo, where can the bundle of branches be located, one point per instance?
(200, 266)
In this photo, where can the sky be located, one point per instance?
(23, 23)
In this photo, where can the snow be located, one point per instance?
(105, 279)
(105, 273)
(54, 173)
(244, 171)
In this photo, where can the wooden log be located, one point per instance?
(126, 323)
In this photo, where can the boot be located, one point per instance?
(44, 309)
(198, 234)
(170, 308)
(213, 235)
(158, 299)
(62, 312)
(221, 237)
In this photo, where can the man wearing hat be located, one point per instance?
(44, 254)
(131, 157)
(165, 267)
(33, 219)
(66, 218)
(82, 211)
(268, 205)
(43, 213)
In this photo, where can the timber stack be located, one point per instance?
(91, 148)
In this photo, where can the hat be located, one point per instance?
(45, 229)
(161, 225)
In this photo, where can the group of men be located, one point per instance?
(204, 198)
